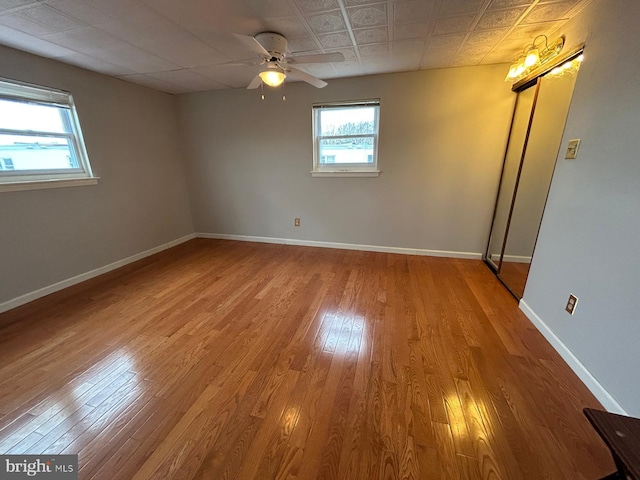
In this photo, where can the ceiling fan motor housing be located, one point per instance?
(274, 43)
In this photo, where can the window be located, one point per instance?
(40, 138)
(345, 138)
(6, 164)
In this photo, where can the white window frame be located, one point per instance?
(11, 180)
(345, 169)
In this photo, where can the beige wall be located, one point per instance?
(442, 139)
(589, 238)
(141, 202)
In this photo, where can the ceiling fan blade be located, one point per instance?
(304, 76)
(317, 58)
(251, 62)
(253, 45)
(255, 83)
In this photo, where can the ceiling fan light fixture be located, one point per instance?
(272, 77)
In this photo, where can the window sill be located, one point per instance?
(44, 184)
(349, 173)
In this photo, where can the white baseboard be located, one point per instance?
(343, 246)
(580, 370)
(29, 297)
(511, 258)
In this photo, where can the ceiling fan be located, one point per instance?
(275, 63)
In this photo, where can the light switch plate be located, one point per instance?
(572, 149)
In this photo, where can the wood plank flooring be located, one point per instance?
(229, 360)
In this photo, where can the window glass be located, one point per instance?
(40, 136)
(346, 136)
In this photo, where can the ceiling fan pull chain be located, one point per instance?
(284, 92)
(262, 90)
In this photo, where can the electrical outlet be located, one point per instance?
(572, 149)
(296, 222)
(571, 304)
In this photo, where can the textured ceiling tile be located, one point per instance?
(95, 64)
(41, 20)
(494, 57)
(453, 24)
(327, 22)
(84, 40)
(436, 59)
(289, 27)
(410, 48)
(51, 18)
(16, 39)
(502, 4)
(412, 11)
(349, 54)
(19, 22)
(465, 60)
(302, 44)
(186, 50)
(374, 50)
(155, 83)
(233, 76)
(368, 16)
(320, 70)
(515, 46)
(352, 69)
(486, 37)
(316, 5)
(206, 17)
(411, 30)
(82, 11)
(142, 30)
(135, 58)
(120, 8)
(499, 18)
(335, 40)
(270, 8)
(185, 79)
(548, 13)
(529, 32)
(476, 50)
(445, 42)
(371, 35)
(459, 7)
(6, 5)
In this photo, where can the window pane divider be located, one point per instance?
(35, 133)
(364, 135)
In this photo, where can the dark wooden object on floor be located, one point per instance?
(622, 436)
(230, 360)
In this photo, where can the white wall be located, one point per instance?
(589, 242)
(141, 201)
(442, 139)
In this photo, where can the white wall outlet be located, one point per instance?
(572, 149)
(571, 304)
(296, 222)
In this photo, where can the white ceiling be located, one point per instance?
(177, 46)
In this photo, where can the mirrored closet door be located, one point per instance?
(536, 132)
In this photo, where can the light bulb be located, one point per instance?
(512, 72)
(272, 77)
(533, 58)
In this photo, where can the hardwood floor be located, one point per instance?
(225, 360)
